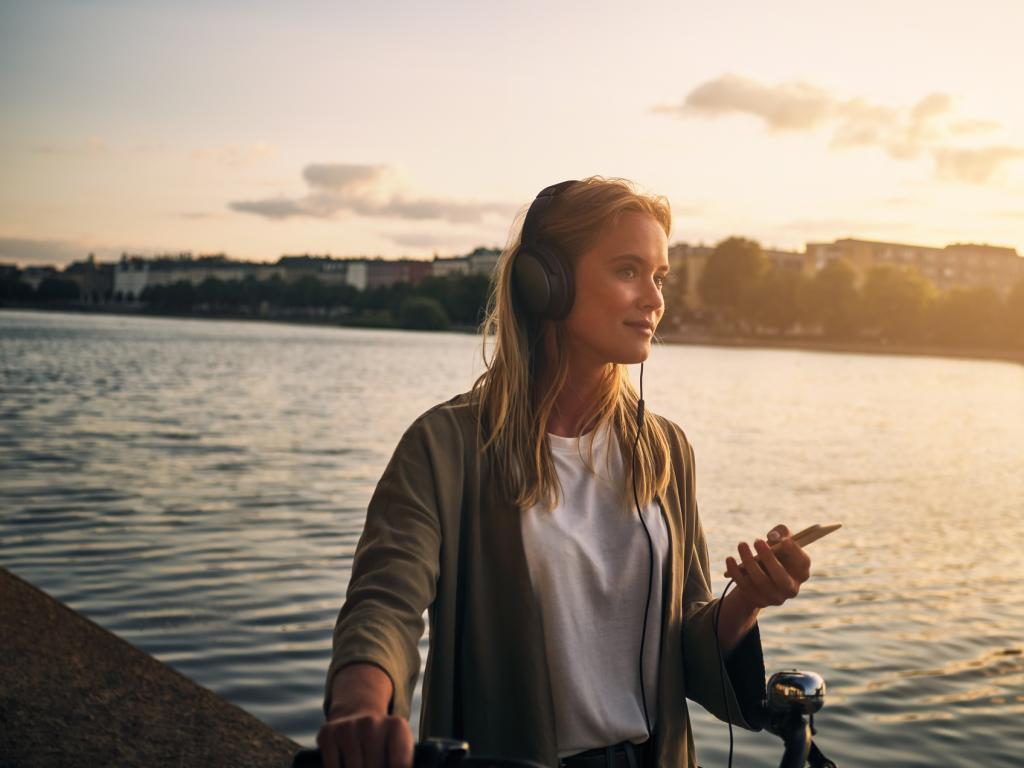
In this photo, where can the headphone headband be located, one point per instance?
(535, 216)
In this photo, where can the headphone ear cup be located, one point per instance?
(544, 282)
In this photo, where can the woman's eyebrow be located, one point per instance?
(636, 259)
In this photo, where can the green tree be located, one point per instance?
(421, 313)
(213, 292)
(730, 278)
(895, 302)
(57, 289)
(467, 299)
(1013, 328)
(177, 297)
(779, 298)
(13, 288)
(967, 317)
(833, 301)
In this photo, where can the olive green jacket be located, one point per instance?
(440, 535)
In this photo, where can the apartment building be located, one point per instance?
(965, 265)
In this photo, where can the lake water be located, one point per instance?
(198, 487)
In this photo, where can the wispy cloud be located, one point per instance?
(200, 215)
(931, 126)
(367, 190)
(784, 107)
(975, 165)
(26, 251)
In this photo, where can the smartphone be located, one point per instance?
(806, 536)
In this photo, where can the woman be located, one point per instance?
(551, 529)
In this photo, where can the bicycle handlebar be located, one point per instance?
(791, 696)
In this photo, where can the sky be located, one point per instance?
(259, 129)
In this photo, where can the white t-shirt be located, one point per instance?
(588, 561)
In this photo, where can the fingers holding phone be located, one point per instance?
(774, 572)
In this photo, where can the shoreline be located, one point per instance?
(850, 347)
(1006, 355)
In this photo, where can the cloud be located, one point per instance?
(25, 251)
(928, 127)
(367, 190)
(975, 165)
(272, 208)
(199, 215)
(784, 107)
(969, 126)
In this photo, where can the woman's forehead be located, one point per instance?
(633, 234)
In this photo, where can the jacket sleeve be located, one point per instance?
(394, 572)
(734, 690)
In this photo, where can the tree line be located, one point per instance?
(743, 293)
(746, 294)
(436, 303)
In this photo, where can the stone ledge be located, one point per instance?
(73, 694)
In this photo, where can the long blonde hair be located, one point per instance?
(513, 415)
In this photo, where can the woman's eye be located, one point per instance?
(627, 272)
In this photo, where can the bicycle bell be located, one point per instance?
(803, 691)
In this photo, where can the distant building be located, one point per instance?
(449, 265)
(95, 281)
(385, 272)
(133, 274)
(326, 269)
(959, 265)
(219, 267)
(795, 260)
(482, 261)
(364, 274)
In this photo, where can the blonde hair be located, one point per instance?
(513, 413)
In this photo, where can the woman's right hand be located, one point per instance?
(359, 732)
(365, 740)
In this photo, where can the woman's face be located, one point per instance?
(618, 293)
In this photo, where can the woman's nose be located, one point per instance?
(652, 297)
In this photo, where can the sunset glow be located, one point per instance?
(405, 129)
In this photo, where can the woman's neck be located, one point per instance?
(575, 406)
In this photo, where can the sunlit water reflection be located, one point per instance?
(198, 487)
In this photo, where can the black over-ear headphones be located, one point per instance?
(542, 274)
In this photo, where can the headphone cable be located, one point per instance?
(721, 666)
(650, 550)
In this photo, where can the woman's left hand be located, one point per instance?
(781, 567)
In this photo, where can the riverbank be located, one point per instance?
(674, 337)
(72, 693)
(847, 347)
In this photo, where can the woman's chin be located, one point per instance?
(634, 356)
